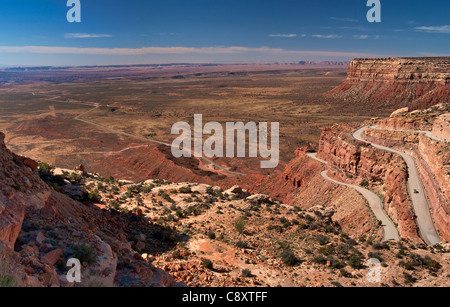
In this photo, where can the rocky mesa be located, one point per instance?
(396, 82)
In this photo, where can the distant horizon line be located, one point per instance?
(180, 63)
(306, 63)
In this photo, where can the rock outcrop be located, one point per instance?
(20, 187)
(301, 185)
(441, 127)
(40, 229)
(397, 82)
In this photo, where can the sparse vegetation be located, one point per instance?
(239, 225)
(85, 254)
(206, 263)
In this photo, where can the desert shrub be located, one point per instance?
(283, 245)
(431, 264)
(239, 225)
(343, 250)
(85, 254)
(409, 279)
(415, 259)
(283, 220)
(319, 259)
(330, 229)
(75, 178)
(364, 184)
(380, 246)
(322, 240)
(185, 190)
(303, 226)
(147, 189)
(58, 179)
(309, 218)
(114, 205)
(344, 273)
(318, 214)
(314, 226)
(95, 197)
(45, 167)
(344, 237)
(354, 261)
(351, 242)
(326, 250)
(167, 198)
(211, 235)
(370, 241)
(409, 266)
(288, 257)
(241, 244)
(246, 273)
(176, 255)
(109, 179)
(8, 276)
(179, 213)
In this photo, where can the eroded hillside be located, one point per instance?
(396, 82)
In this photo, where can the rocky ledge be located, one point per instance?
(396, 82)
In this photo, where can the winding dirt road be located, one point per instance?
(390, 231)
(140, 138)
(420, 201)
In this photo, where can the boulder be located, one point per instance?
(234, 190)
(29, 162)
(73, 191)
(259, 198)
(40, 238)
(201, 188)
(80, 168)
(400, 112)
(52, 257)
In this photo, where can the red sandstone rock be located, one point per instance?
(397, 82)
(357, 160)
(441, 127)
(52, 257)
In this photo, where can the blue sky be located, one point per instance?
(36, 32)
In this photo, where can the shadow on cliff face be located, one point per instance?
(117, 248)
(62, 213)
(192, 164)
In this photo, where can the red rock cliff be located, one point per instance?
(432, 158)
(397, 82)
(355, 162)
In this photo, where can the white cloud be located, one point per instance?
(169, 34)
(177, 50)
(361, 36)
(283, 35)
(434, 29)
(331, 36)
(85, 35)
(344, 19)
